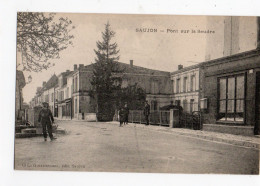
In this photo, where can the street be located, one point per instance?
(100, 146)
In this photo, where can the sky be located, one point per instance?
(162, 50)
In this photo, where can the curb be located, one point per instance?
(223, 140)
(242, 143)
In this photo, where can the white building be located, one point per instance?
(185, 83)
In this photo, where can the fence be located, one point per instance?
(162, 118)
(155, 117)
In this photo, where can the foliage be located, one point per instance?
(105, 81)
(40, 38)
(134, 96)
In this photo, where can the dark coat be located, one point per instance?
(121, 115)
(147, 110)
(45, 116)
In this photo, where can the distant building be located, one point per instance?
(71, 93)
(48, 91)
(46, 94)
(63, 101)
(185, 91)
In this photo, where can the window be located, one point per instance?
(231, 98)
(173, 84)
(52, 98)
(76, 106)
(46, 98)
(76, 84)
(154, 87)
(185, 105)
(185, 84)
(154, 105)
(191, 105)
(192, 83)
(124, 83)
(178, 86)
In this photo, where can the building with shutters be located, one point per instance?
(185, 91)
(155, 83)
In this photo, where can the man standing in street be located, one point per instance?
(121, 116)
(45, 118)
(126, 113)
(147, 112)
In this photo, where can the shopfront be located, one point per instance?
(231, 88)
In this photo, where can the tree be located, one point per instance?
(40, 38)
(134, 96)
(105, 79)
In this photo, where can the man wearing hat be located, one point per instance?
(147, 112)
(45, 118)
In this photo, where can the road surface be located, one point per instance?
(99, 146)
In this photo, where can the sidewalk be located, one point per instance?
(245, 141)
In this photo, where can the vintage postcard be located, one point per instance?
(137, 93)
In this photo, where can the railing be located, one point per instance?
(162, 118)
(155, 117)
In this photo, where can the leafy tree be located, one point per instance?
(105, 79)
(134, 96)
(40, 38)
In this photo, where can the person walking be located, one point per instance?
(121, 116)
(46, 119)
(126, 113)
(147, 112)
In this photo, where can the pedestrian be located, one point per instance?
(126, 113)
(147, 112)
(121, 116)
(46, 119)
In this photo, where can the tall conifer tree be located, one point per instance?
(105, 81)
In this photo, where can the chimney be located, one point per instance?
(131, 63)
(75, 66)
(81, 66)
(180, 67)
(43, 83)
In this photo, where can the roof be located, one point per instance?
(127, 68)
(141, 70)
(186, 69)
(65, 74)
(234, 57)
(51, 82)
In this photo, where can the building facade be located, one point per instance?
(185, 91)
(72, 94)
(231, 87)
(63, 100)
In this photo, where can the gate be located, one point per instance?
(191, 121)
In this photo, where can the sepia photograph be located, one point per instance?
(137, 93)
